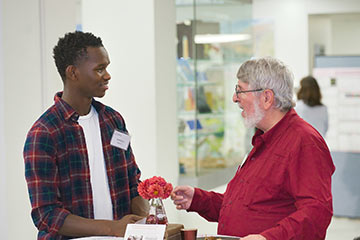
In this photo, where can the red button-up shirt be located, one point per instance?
(282, 191)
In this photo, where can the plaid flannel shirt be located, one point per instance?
(57, 167)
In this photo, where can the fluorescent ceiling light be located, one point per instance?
(220, 38)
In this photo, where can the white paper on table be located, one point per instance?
(216, 236)
(145, 232)
(141, 221)
(100, 238)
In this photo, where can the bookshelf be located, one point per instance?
(212, 140)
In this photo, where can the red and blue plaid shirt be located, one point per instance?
(57, 167)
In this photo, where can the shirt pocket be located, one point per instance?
(265, 195)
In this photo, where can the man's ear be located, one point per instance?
(70, 73)
(268, 98)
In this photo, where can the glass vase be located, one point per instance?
(157, 214)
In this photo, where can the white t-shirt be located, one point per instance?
(98, 176)
(317, 116)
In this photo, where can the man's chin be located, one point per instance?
(100, 95)
(249, 123)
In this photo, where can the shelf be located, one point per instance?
(200, 134)
(193, 114)
(199, 83)
(208, 135)
(209, 179)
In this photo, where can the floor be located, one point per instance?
(343, 229)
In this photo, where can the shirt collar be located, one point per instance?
(68, 112)
(279, 129)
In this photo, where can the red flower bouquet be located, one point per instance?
(155, 188)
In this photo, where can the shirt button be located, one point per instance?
(253, 158)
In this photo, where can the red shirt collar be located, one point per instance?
(68, 112)
(277, 130)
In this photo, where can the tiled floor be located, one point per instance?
(343, 229)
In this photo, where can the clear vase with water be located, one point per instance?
(157, 214)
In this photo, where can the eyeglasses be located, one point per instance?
(238, 91)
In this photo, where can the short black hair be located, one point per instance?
(72, 47)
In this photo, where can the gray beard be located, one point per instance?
(255, 118)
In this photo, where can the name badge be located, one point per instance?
(120, 140)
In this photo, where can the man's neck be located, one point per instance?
(79, 103)
(271, 118)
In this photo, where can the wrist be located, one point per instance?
(106, 229)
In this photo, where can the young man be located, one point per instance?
(283, 189)
(82, 181)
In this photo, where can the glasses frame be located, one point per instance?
(246, 91)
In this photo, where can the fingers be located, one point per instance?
(179, 191)
(180, 207)
(180, 200)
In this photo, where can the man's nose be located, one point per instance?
(107, 75)
(235, 98)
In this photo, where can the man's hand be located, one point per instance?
(118, 227)
(253, 237)
(76, 226)
(182, 197)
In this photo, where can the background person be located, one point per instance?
(283, 190)
(309, 105)
(80, 182)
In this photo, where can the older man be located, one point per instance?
(283, 189)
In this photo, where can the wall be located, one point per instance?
(141, 46)
(291, 26)
(3, 208)
(22, 104)
(25, 81)
(345, 34)
(338, 33)
(319, 34)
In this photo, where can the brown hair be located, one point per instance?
(309, 91)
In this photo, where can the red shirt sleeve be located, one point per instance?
(207, 204)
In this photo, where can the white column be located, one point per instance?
(22, 105)
(29, 30)
(3, 207)
(139, 36)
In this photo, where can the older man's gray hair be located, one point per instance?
(270, 73)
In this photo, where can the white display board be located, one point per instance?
(340, 88)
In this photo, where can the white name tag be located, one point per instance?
(120, 140)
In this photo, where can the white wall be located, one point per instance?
(25, 80)
(320, 34)
(291, 26)
(22, 104)
(338, 33)
(139, 36)
(345, 34)
(3, 207)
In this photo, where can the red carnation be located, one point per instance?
(155, 187)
